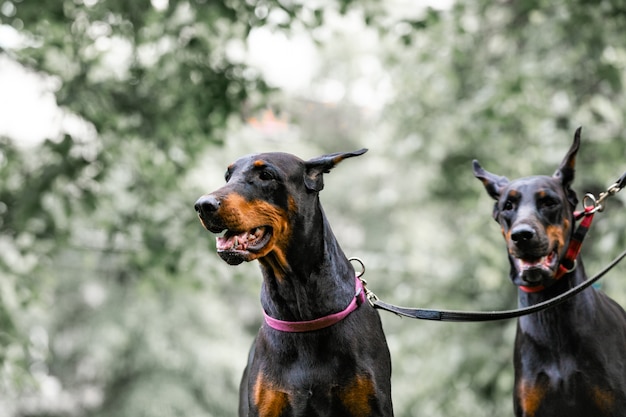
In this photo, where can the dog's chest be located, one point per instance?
(562, 382)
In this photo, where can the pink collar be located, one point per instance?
(322, 322)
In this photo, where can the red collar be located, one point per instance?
(322, 322)
(568, 264)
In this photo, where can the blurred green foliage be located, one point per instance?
(112, 301)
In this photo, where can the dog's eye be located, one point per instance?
(266, 175)
(548, 202)
(508, 205)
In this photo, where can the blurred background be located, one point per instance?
(116, 115)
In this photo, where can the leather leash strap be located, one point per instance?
(477, 316)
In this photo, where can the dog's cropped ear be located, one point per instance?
(313, 179)
(494, 184)
(565, 172)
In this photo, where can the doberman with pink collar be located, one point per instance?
(570, 360)
(321, 350)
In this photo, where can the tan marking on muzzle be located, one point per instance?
(239, 214)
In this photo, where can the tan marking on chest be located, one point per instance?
(530, 396)
(356, 396)
(269, 401)
(603, 399)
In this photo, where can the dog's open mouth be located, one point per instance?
(235, 246)
(251, 240)
(535, 270)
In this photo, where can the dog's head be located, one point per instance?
(536, 217)
(266, 198)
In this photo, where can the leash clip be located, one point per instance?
(371, 297)
(593, 205)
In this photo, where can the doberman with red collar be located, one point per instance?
(569, 360)
(321, 350)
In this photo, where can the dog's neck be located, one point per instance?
(318, 280)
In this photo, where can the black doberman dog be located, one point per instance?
(569, 360)
(321, 350)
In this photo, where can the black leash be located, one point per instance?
(476, 316)
(468, 316)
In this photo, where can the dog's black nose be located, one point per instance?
(207, 204)
(522, 233)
